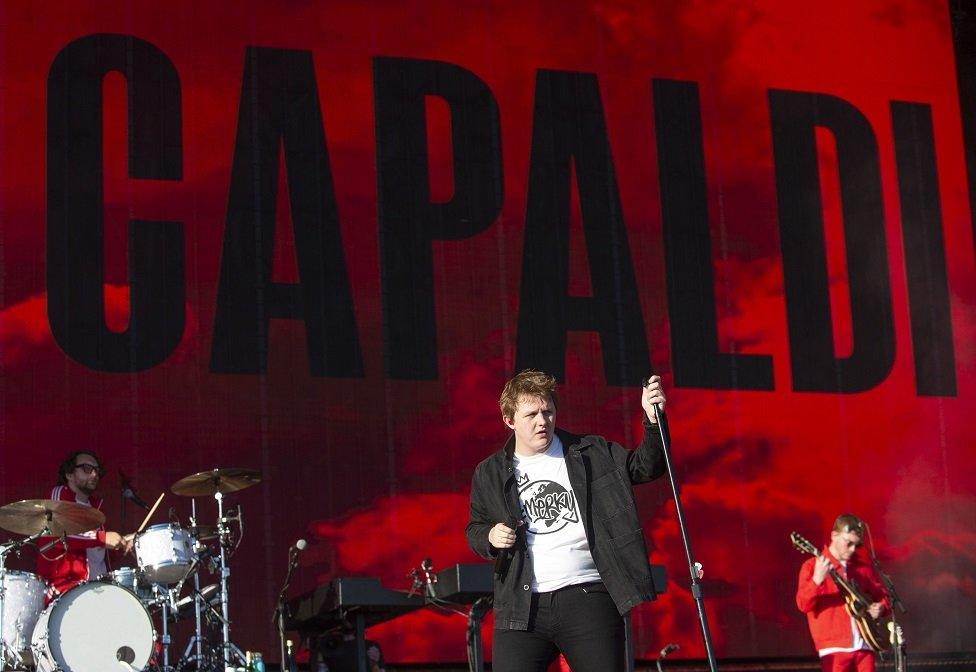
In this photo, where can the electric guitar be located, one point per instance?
(874, 631)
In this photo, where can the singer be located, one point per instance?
(556, 512)
(85, 557)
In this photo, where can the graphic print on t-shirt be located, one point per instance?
(547, 506)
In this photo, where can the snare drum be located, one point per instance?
(23, 601)
(164, 553)
(94, 626)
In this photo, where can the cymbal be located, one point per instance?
(30, 516)
(216, 480)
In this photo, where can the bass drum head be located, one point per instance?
(93, 627)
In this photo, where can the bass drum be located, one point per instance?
(93, 627)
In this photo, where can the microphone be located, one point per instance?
(129, 492)
(658, 411)
(297, 548)
(51, 544)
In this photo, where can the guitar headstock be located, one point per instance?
(896, 636)
(801, 544)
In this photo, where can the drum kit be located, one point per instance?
(110, 622)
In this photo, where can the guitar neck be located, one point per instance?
(804, 546)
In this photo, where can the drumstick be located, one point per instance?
(151, 512)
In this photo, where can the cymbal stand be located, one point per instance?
(165, 598)
(197, 639)
(201, 661)
(223, 533)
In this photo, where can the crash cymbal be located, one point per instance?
(31, 516)
(216, 480)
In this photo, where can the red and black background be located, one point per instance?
(315, 239)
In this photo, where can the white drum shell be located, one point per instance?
(131, 579)
(23, 602)
(164, 553)
(92, 627)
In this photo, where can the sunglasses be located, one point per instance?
(89, 469)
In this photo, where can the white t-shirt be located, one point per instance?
(97, 565)
(554, 527)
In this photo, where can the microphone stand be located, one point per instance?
(279, 613)
(896, 641)
(664, 654)
(901, 657)
(122, 499)
(696, 592)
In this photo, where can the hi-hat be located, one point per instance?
(31, 516)
(216, 480)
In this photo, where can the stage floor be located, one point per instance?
(948, 662)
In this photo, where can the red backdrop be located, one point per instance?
(371, 458)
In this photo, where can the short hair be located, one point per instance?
(527, 383)
(68, 465)
(848, 522)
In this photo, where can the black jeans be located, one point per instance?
(581, 622)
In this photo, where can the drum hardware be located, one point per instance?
(113, 617)
(202, 532)
(166, 599)
(228, 646)
(227, 539)
(196, 642)
(72, 634)
(217, 483)
(204, 602)
(209, 596)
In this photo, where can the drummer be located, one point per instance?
(85, 557)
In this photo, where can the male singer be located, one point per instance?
(556, 512)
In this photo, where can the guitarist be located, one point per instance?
(834, 631)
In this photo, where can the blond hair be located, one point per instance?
(848, 522)
(527, 383)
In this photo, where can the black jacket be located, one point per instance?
(601, 474)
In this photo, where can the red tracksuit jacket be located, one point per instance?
(830, 624)
(67, 571)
